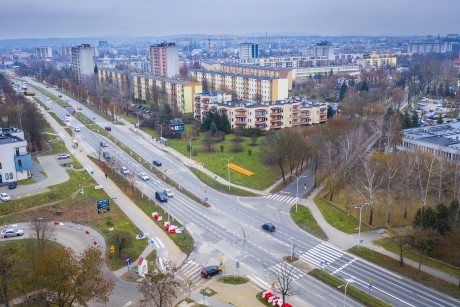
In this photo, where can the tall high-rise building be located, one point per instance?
(103, 44)
(249, 51)
(433, 46)
(82, 60)
(164, 58)
(43, 52)
(324, 50)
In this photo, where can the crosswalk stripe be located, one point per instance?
(283, 198)
(321, 252)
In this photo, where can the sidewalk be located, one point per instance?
(346, 241)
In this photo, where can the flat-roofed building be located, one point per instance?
(442, 140)
(82, 60)
(377, 61)
(43, 52)
(305, 73)
(177, 93)
(164, 59)
(15, 160)
(265, 116)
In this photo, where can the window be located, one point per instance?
(20, 162)
(11, 175)
(7, 176)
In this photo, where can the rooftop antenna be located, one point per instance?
(209, 47)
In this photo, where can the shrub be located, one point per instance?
(221, 148)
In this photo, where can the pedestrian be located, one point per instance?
(305, 187)
(106, 175)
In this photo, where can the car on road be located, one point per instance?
(108, 128)
(63, 156)
(124, 170)
(12, 185)
(5, 197)
(210, 271)
(156, 162)
(161, 196)
(144, 176)
(60, 96)
(168, 193)
(12, 232)
(77, 129)
(268, 227)
(103, 144)
(106, 155)
(79, 108)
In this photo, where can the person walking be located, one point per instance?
(106, 176)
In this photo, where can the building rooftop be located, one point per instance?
(232, 74)
(443, 135)
(7, 137)
(252, 105)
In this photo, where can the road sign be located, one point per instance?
(361, 241)
(112, 249)
(189, 282)
(103, 206)
(205, 199)
(176, 128)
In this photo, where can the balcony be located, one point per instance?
(197, 105)
(240, 123)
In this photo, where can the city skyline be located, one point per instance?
(54, 18)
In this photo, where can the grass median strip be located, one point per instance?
(406, 270)
(352, 291)
(305, 220)
(216, 185)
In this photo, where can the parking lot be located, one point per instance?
(430, 110)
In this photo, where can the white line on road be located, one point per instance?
(159, 242)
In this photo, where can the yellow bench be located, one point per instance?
(240, 170)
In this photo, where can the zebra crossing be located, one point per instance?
(283, 198)
(322, 254)
(191, 271)
(283, 269)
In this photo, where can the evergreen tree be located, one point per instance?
(406, 120)
(414, 120)
(364, 87)
(439, 120)
(343, 90)
(330, 111)
(213, 128)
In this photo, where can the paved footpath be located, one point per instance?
(346, 241)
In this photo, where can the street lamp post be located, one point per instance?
(161, 130)
(297, 194)
(190, 148)
(359, 227)
(234, 246)
(348, 280)
(228, 162)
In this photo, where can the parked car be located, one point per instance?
(156, 162)
(103, 144)
(12, 232)
(161, 197)
(268, 227)
(5, 197)
(12, 185)
(106, 155)
(124, 170)
(144, 176)
(168, 193)
(63, 156)
(108, 128)
(210, 271)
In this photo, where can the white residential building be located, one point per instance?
(15, 160)
(82, 60)
(44, 52)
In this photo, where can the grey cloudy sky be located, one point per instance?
(78, 18)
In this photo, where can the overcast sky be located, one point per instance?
(78, 18)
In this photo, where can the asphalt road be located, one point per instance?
(231, 229)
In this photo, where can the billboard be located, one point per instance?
(103, 206)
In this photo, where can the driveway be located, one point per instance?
(55, 174)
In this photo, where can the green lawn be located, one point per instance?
(216, 161)
(305, 220)
(411, 272)
(60, 121)
(352, 291)
(448, 269)
(233, 280)
(337, 218)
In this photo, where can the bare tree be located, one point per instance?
(407, 167)
(390, 172)
(284, 278)
(159, 287)
(42, 229)
(367, 181)
(425, 164)
(402, 239)
(6, 277)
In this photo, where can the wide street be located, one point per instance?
(230, 228)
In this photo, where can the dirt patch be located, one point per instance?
(226, 293)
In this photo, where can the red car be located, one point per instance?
(108, 128)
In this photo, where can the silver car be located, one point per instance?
(12, 232)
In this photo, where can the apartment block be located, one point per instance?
(265, 116)
(249, 51)
(15, 160)
(377, 61)
(305, 73)
(177, 92)
(82, 60)
(429, 47)
(244, 87)
(43, 52)
(118, 77)
(324, 50)
(164, 59)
